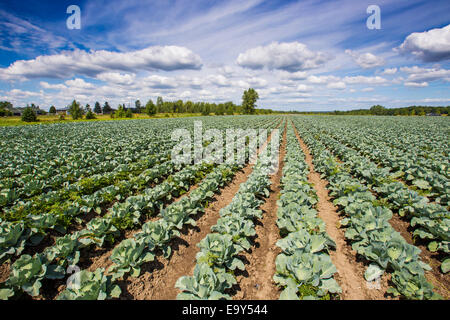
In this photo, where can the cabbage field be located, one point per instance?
(355, 208)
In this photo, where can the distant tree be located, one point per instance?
(6, 105)
(220, 111)
(29, 115)
(75, 110)
(249, 99)
(159, 104)
(97, 108)
(107, 108)
(52, 110)
(206, 109)
(189, 107)
(138, 106)
(129, 113)
(121, 112)
(378, 110)
(90, 115)
(150, 108)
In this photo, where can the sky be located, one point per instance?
(299, 55)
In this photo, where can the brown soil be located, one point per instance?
(97, 257)
(157, 282)
(350, 275)
(440, 281)
(256, 283)
(4, 271)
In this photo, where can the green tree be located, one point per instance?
(138, 106)
(29, 115)
(249, 99)
(150, 108)
(52, 110)
(159, 104)
(75, 110)
(107, 108)
(97, 108)
(121, 112)
(206, 109)
(378, 110)
(90, 115)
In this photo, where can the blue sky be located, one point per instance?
(299, 55)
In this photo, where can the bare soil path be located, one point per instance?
(440, 281)
(351, 270)
(157, 281)
(256, 283)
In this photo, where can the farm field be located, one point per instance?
(356, 208)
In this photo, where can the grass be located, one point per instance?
(48, 119)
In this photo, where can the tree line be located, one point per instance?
(379, 110)
(77, 111)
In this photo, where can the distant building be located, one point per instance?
(63, 111)
(17, 111)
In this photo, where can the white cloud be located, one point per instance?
(299, 75)
(367, 89)
(364, 80)
(416, 84)
(390, 71)
(79, 62)
(287, 56)
(419, 75)
(117, 78)
(366, 60)
(322, 79)
(257, 82)
(219, 80)
(47, 85)
(429, 46)
(79, 84)
(340, 85)
(303, 88)
(159, 82)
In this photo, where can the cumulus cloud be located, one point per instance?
(257, 82)
(219, 80)
(322, 79)
(365, 80)
(91, 64)
(117, 78)
(159, 82)
(340, 85)
(366, 60)
(303, 88)
(299, 75)
(287, 56)
(47, 85)
(390, 71)
(420, 75)
(79, 84)
(416, 84)
(428, 46)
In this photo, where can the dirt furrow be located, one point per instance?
(440, 281)
(157, 282)
(256, 283)
(351, 270)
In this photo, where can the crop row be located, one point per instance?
(218, 258)
(431, 221)
(304, 268)
(368, 228)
